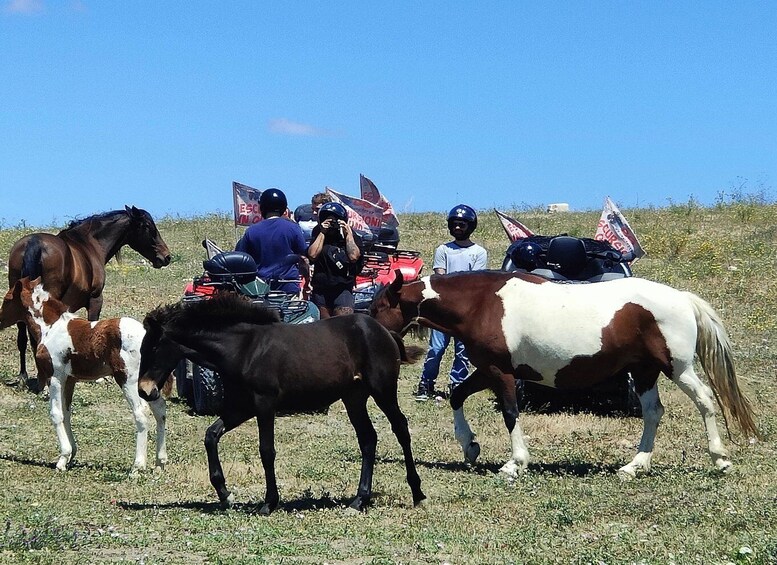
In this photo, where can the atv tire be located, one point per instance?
(183, 382)
(208, 391)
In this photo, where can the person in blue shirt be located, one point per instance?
(276, 244)
(461, 254)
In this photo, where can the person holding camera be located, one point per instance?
(336, 256)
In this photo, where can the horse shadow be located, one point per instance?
(576, 469)
(304, 504)
(107, 469)
(27, 461)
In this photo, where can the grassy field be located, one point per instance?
(570, 508)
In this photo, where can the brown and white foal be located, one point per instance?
(73, 349)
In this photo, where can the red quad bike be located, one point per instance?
(230, 271)
(571, 260)
(378, 270)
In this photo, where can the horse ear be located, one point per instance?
(396, 285)
(150, 322)
(133, 212)
(36, 282)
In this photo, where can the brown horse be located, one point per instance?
(72, 263)
(570, 336)
(268, 367)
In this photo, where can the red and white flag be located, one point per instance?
(370, 193)
(246, 204)
(614, 229)
(515, 229)
(362, 215)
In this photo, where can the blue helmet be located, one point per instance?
(465, 213)
(272, 200)
(526, 255)
(332, 209)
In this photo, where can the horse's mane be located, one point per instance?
(225, 309)
(100, 217)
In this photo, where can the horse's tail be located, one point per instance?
(714, 351)
(32, 266)
(407, 354)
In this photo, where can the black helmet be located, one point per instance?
(272, 200)
(466, 213)
(334, 209)
(526, 255)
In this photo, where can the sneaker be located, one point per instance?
(423, 393)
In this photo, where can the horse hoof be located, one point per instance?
(511, 470)
(228, 502)
(626, 474)
(725, 466)
(422, 502)
(472, 452)
(134, 473)
(62, 464)
(265, 510)
(359, 504)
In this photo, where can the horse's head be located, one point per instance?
(26, 298)
(158, 354)
(143, 236)
(388, 308)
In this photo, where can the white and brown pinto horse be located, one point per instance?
(73, 349)
(569, 336)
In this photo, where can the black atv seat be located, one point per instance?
(567, 256)
(231, 266)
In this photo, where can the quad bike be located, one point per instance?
(230, 271)
(378, 271)
(572, 260)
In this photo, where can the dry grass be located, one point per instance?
(570, 507)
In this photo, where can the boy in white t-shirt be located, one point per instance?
(461, 254)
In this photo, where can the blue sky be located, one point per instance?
(496, 104)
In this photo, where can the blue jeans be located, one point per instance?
(438, 342)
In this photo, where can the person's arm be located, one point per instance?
(351, 248)
(440, 263)
(317, 241)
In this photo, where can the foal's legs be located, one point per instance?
(21, 344)
(129, 387)
(70, 386)
(387, 402)
(266, 422)
(212, 436)
(702, 396)
(159, 409)
(356, 406)
(59, 412)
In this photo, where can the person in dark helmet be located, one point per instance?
(461, 254)
(276, 244)
(336, 255)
